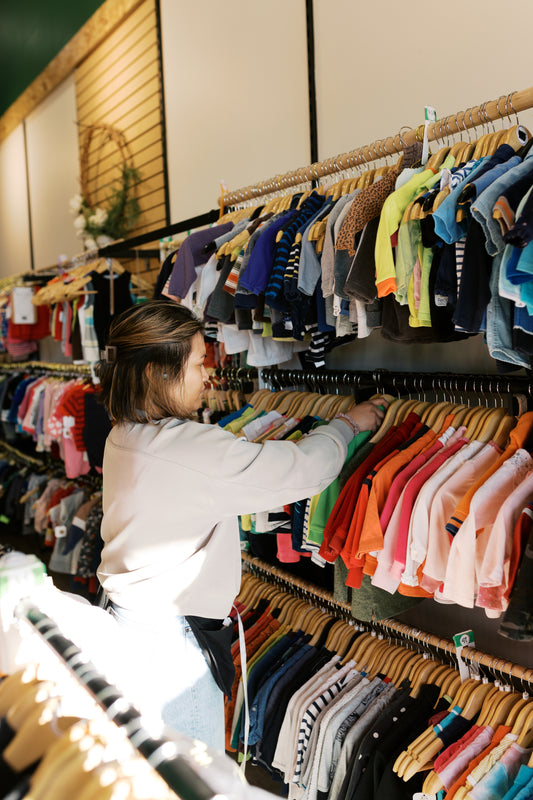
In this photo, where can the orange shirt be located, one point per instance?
(517, 439)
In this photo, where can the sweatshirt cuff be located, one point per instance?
(341, 427)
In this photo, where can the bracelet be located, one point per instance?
(353, 425)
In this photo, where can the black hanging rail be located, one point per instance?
(175, 770)
(117, 249)
(399, 383)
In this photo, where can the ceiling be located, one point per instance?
(32, 32)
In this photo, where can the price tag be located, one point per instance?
(461, 640)
(60, 531)
(430, 115)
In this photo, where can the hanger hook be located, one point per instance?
(498, 109)
(512, 107)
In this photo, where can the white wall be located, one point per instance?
(379, 64)
(14, 222)
(235, 93)
(53, 165)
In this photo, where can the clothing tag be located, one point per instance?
(430, 115)
(24, 312)
(461, 640)
(60, 531)
(424, 796)
(445, 179)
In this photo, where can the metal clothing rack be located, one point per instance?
(434, 385)
(460, 122)
(324, 599)
(160, 753)
(124, 247)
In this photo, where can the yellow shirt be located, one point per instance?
(391, 216)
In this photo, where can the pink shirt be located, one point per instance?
(469, 545)
(400, 481)
(411, 493)
(444, 502)
(419, 523)
(493, 573)
(385, 576)
(403, 563)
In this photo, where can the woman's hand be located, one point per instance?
(368, 415)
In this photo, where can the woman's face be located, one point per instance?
(194, 376)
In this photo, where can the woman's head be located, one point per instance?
(156, 363)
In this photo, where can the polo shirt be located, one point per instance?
(469, 545)
(517, 438)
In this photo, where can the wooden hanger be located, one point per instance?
(38, 732)
(13, 686)
(404, 666)
(428, 736)
(491, 424)
(436, 160)
(421, 757)
(516, 137)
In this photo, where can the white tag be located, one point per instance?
(445, 179)
(60, 531)
(461, 640)
(424, 796)
(430, 116)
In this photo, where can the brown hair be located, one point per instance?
(148, 348)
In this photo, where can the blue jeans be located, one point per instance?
(168, 677)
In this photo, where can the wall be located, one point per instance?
(377, 66)
(236, 96)
(119, 85)
(53, 175)
(14, 219)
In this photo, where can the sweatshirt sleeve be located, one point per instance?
(241, 477)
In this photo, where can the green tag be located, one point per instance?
(4, 520)
(464, 639)
(430, 115)
(461, 640)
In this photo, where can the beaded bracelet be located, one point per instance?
(353, 425)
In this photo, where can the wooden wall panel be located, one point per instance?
(119, 85)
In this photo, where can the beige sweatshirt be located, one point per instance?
(171, 496)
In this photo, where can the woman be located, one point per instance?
(172, 491)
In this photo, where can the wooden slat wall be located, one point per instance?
(118, 84)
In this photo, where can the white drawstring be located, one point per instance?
(242, 650)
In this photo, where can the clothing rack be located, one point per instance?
(398, 383)
(123, 248)
(461, 121)
(324, 599)
(160, 753)
(19, 456)
(67, 370)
